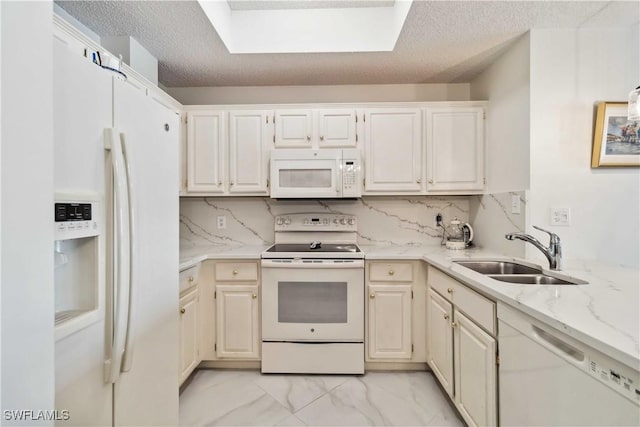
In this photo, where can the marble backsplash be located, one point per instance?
(491, 217)
(381, 220)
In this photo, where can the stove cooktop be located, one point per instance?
(314, 247)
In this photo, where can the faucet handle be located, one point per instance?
(554, 237)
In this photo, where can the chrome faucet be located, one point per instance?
(553, 252)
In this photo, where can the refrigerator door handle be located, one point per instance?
(127, 357)
(121, 265)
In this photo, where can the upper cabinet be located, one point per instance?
(250, 135)
(393, 154)
(455, 148)
(329, 127)
(407, 148)
(293, 129)
(206, 140)
(228, 152)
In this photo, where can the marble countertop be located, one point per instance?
(605, 313)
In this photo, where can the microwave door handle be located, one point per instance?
(339, 177)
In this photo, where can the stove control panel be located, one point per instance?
(316, 222)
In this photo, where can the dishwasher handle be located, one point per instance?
(558, 346)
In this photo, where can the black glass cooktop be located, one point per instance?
(313, 247)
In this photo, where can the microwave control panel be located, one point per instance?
(351, 175)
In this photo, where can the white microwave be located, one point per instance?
(305, 174)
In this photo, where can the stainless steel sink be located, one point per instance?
(513, 272)
(499, 267)
(532, 279)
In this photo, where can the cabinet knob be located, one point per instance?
(254, 296)
(372, 295)
(191, 278)
(182, 311)
(235, 272)
(450, 290)
(321, 137)
(446, 316)
(308, 138)
(430, 181)
(418, 181)
(231, 183)
(454, 324)
(391, 272)
(219, 183)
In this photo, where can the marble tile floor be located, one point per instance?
(248, 398)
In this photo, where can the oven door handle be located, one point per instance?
(324, 264)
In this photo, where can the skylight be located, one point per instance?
(309, 26)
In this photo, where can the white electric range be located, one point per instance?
(313, 296)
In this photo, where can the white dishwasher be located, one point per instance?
(547, 378)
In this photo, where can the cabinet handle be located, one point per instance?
(235, 272)
(454, 324)
(231, 183)
(391, 272)
(308, 138)
(321, 137)
(254, 296)
(182, 311)
(191, 278)
(418, 181)
(372, 295)
(430, 181)
(219, 183)
(450, 290)
(446, 316)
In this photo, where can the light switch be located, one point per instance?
(222, 222)
(560, 216)
(515, 204)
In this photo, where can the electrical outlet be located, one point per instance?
(560, 216)
(515, 204)
(438, 220)
(222, 222)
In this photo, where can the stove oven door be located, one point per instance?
(313, 300)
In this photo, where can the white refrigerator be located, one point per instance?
(119, 364)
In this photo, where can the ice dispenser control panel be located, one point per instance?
(75, 220)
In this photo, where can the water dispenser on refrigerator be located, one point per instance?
(78, 262)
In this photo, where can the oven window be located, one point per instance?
(312, 302)
(305, 178)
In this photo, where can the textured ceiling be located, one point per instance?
(304, 4)
(441, 41)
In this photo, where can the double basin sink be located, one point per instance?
(513, 272)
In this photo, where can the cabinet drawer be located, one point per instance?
(482, 310)
(391, 272)
(188, 278)
(236, 271)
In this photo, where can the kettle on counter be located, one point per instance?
(458, 235)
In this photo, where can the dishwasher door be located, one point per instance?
(549, 379)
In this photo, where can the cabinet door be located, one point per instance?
(293, 128)
(455, 148)
(440, 339)
(237, 321)
(205, 151)
(337, 128)
(188, 334)
(249, 135)
(475, 368)
(389, 321)
(393, 150)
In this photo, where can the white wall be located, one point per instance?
(506, 85)
(27, 308)
(571, 71)
(320, 94)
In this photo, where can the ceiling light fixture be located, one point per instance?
(633, 111)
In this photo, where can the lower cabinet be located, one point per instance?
(189, 336)
(237, 324)
(395, 312)
(462, 350)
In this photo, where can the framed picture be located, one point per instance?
(616, 140)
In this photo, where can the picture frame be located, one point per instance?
(616, 140)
